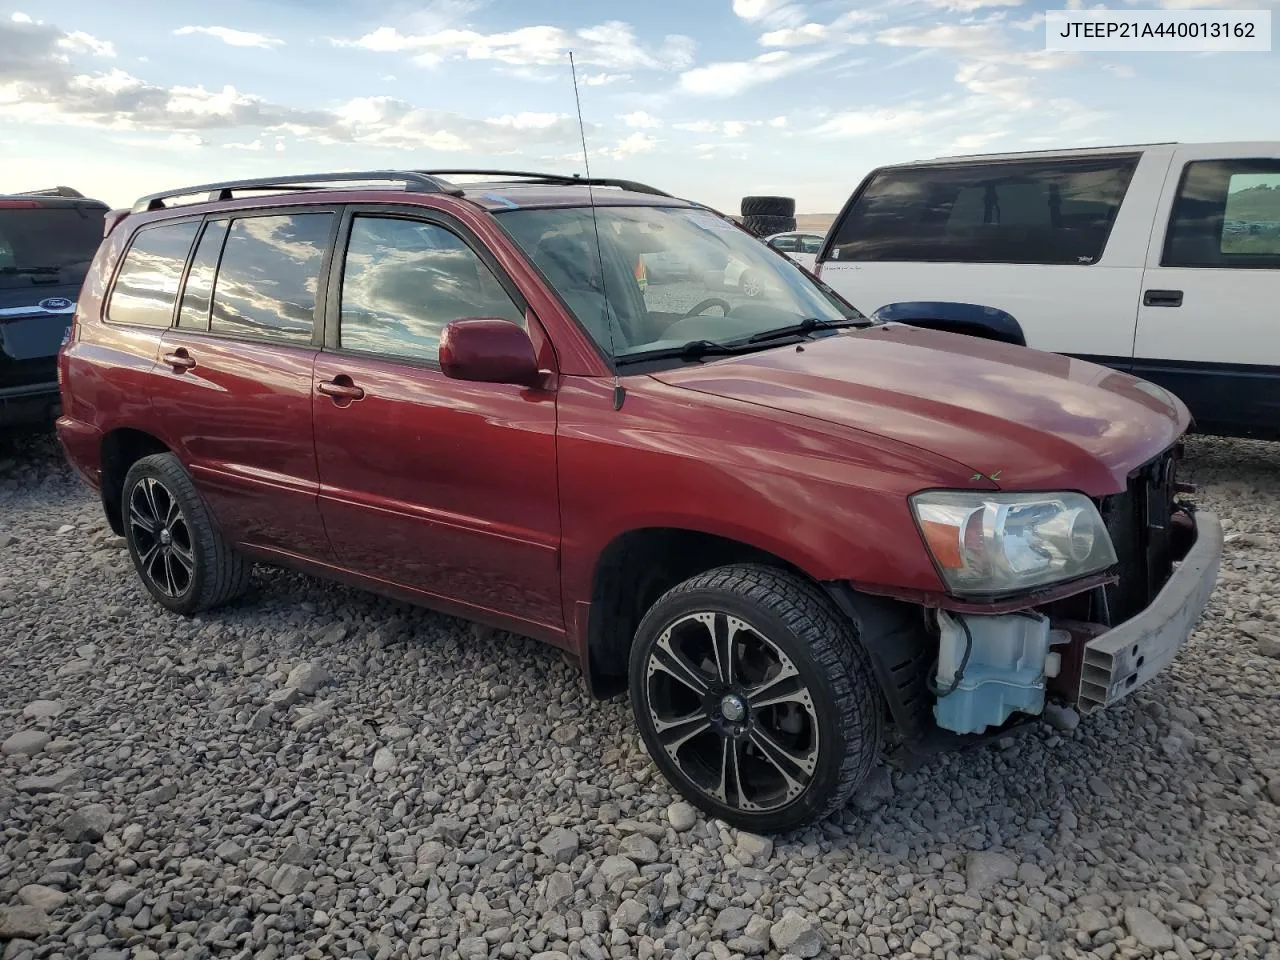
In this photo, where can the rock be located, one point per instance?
(27, 923)
(753, 850)
(230, 852)
(797, 935)
(384, 760)
(307, 678)
(629, 916)
(561, 845)
(1091, 921)
(731, 920)
(88, 824)
(617, 869)
(559, 889)
(986, 868)
(289, 880)
(28, 742)
(1269, 646)
(157, 795)
(639, 848)
(875, 791)
(45, 899)
(43, 709)
(682, 816)
(1031, 875)
(48, 783)
(119, 893)
(1144, 927)
(1273, 789)
(473, 948)
(1061, 718)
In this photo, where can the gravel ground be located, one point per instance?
(319, 773)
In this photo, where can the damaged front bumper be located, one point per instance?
(1122, 659)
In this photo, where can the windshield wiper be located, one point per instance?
(806, 325)
(36, 270)
(693, 350)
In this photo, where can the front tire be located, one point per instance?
(176, 548)
(754, 698)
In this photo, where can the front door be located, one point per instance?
(444, 487)
(1208, 328)
(235, 377)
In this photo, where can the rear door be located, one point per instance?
(444, 487)
(1047, 240)
(1208, 324)
(234, 383)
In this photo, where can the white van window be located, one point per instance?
(1226, 214)
(1024, 211)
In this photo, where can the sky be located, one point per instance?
(706, 99)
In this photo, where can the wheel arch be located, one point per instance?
(121, 449)
(632, 571)
(971, 319)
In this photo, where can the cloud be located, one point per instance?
(235, 38)
(601, 79)
(254, 146)
(861, 123)
(972, 6)
(767, 10)
(611, 45)
(1123, 71)
(730, 78)
(964, 38)
(38, 85)
(636, 143)
(78, 42)
(641, 119)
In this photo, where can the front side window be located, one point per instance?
(1041, 211)
(147, 284)
(1226, 214)
(810, 244)
(269, 276)
(404, 281)
(644, 278)
(785, 244)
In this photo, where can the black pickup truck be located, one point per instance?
(47, 239)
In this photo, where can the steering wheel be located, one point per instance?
(697, 308)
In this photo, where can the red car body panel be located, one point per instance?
(496, 502)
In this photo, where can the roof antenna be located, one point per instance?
(618, 393)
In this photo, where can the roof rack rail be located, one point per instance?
(413, 181)
(1055, 150)
(52, 192)
(558, 178)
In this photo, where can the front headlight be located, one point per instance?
(994, 543)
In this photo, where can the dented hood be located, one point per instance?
(1025, 419)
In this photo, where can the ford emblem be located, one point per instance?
(55, 305)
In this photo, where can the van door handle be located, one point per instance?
(1162, 298)
(180, 360)
(340, 388)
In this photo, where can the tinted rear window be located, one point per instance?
(269, 276)
(49, 237)
(1050, 212)
(148, 281)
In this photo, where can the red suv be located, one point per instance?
(795, 536)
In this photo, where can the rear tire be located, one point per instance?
(754, 698)
(176, 548)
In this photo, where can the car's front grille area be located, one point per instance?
(1140, 523)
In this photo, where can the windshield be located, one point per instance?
(49, 239)
(666, 276)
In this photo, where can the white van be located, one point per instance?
(1162, 260)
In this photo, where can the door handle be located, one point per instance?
(340, 388)
(180, 360)
(1162, 298)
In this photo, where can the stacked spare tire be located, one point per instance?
(764, 216)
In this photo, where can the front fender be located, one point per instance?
(968, 318)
